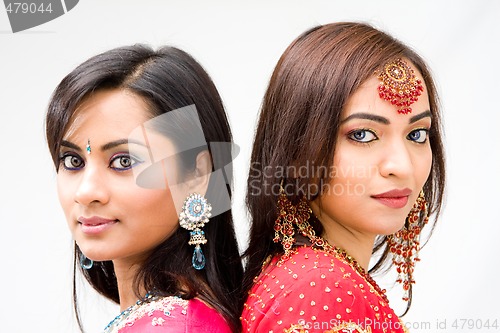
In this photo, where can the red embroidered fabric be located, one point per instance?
(315, 291)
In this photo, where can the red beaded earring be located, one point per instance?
(399, 85)
(405, 244)
(289, 216)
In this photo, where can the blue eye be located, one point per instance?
(71, 162)
(419, 135)
(123, 162)
(362, 135)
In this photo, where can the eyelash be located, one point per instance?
(116, 157)
(373, 132)
(362, 130)
(64, 156)
(426, 130)
(63, 159)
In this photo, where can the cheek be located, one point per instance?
(156, 204)
(351, 167)
(424, 166)
(64, 192)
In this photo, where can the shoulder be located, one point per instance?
(307, 269)
(174, 314)
(311, 288)
(202, 318)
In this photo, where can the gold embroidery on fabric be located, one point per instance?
(345, 327)
(349, 327)
(296, 328)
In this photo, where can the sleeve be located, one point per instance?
(166, 317)
(204, 319)
(321, 300)
(157, 321)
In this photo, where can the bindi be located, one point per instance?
(88, 148)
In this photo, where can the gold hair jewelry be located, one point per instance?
(399, 85)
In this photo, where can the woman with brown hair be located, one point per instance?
(347, 162)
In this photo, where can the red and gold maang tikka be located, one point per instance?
(399, 85)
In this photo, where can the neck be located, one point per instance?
(358, 245)
(125, 273)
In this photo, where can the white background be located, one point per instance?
(239, 43)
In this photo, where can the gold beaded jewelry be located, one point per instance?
(399, 85)
(297, 216)
(405, 244)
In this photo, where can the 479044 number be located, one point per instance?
(25, 8)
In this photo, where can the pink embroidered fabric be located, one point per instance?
(173, 315)
(314, 291)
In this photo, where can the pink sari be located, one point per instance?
(173, 315)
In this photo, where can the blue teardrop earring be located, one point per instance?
(85, 262)
(195, 213)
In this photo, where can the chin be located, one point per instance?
(391, 228)
(92, 253)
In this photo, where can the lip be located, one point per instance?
(394, 198)
(95, 224)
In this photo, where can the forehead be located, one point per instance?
(108, 111)
(367, 99)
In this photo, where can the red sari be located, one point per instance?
(316, 291)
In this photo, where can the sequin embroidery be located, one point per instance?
(167, 305)
(316, 292)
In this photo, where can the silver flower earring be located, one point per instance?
(195, 213)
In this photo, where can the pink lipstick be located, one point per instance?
(393, 198)
(95, 224)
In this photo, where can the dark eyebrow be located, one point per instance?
(120, 142)
(107, 146)
(420, 116)
(367, 116)
(383, 120)
(68, 144)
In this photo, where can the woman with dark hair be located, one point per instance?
(142, 146)
(347, 162)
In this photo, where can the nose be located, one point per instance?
(396, 160)
(92, 187)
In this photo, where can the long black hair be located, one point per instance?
(167, 79)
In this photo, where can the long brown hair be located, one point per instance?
(300, 118)
(167, 79)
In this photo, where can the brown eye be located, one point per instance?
(71, 162)
(123, 162)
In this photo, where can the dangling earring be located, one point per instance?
(405, 244)
(195, 212)
(288, 215)
(85, 262)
